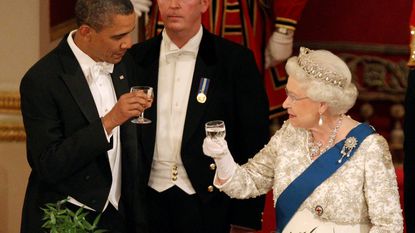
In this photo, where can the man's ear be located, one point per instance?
(205, 5)
(85, 32)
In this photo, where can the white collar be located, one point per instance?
(84, 60)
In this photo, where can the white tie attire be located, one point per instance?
(176, 67)
(99, 81)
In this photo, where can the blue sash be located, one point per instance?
(322, 168)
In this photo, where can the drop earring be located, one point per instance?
(320, 120)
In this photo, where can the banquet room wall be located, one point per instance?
(20, 37)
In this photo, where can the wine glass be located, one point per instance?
(149, 92)
(215, 129)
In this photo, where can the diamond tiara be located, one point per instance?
(317, 71)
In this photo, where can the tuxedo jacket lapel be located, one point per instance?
(76, 82)
(148, 75)
(78, 86)
(205, 68)
(119, 80)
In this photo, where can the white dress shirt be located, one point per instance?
(98, 76)
(176, 68)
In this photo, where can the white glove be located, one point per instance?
(218, 150)
(279, 48)
(141, 6)
(215, 148)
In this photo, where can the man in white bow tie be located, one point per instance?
(76, 108)
(197, 77)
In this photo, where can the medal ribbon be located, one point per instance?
(203, 87)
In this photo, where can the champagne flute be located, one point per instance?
(215, 129)
(149, 92)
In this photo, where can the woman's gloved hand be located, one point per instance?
(218, 150)
(279, 48)
(141, 6)
(215, 148)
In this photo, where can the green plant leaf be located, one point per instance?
(60, 219)
(52, 218)
(79, 211)
(101, 231)
(96, 220)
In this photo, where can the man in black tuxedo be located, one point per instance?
(197, 77)
(76, 108)
(409, 149)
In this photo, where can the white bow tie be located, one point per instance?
(101, 68)
(179, 55)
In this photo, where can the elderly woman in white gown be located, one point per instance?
(329, 173)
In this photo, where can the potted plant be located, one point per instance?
(59, 219)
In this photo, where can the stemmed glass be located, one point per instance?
(149, 92)
(215, 129)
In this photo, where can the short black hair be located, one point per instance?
(98, 13)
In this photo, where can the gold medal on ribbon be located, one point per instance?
(201, 98)
(203, 88)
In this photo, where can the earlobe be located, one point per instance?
(323, 108)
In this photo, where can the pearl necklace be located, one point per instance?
(315, 147)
